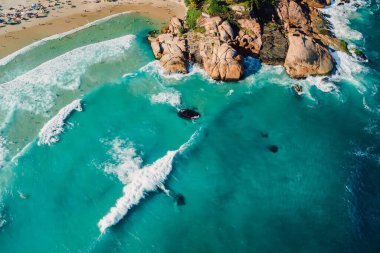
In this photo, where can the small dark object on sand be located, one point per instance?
(180, 199)
(273, 148)
(188, 114)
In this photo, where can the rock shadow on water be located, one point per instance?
(252, 65)
(180, 199)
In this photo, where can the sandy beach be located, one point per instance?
(67, 17)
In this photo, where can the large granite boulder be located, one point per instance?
(307, 57)
(249, 37)
(226, 33)
(221, 61)
(317, 3)
(171, 51)
(211, 25)
(216, 27)
(293, 16)
(176, 26)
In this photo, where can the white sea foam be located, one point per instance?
(172, 98)
(125, 160)
(141, 181)
(155, 68)
(340, 15)
(49, 134)
(3, 221)
(347, 68)
(12, 56)
(230, 92)
(32, 91)
(3, 151)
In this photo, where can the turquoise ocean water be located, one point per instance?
(61, 172)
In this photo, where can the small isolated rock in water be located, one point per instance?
(264, 135)
(188, 114)
(273, 148)
(297, 89)
(360, 54)
(180, 200)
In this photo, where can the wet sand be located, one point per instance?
(13, 38)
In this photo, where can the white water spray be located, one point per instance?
(49, 133)
(141, 181)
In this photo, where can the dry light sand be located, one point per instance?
(67, 18)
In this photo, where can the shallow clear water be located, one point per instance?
(318, 193)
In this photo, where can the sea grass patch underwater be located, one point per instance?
(317, 193)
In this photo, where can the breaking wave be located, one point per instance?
(125, 160)
(32, 90)
(171, 98)
(339, 16)
(139, 182)
(347, 67)
(49, 133)
(12, 56)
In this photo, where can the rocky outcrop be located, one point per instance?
(292, 33)
(176, 26)
(211, 49)
(249, 37)
(216, 27)
(317, 3)
(275, 46)
(293, 16)
(307, 57)
(221, 61)
(171, 51)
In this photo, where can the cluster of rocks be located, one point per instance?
(298, 41)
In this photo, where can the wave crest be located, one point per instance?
(33, 92)
(49, 133)
(141, 181)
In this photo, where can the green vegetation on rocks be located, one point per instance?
(192, 15)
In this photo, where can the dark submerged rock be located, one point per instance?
(264, 135)
(188, 114)
(180, 200)
(273, 148)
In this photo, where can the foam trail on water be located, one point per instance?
(32, 91)
(141, 181)
(12, 56)
(49, 133)
(125, 157)
(171, 98)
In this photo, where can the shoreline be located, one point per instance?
(14, 38)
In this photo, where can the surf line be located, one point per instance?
(147, 179)
(24, 50)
